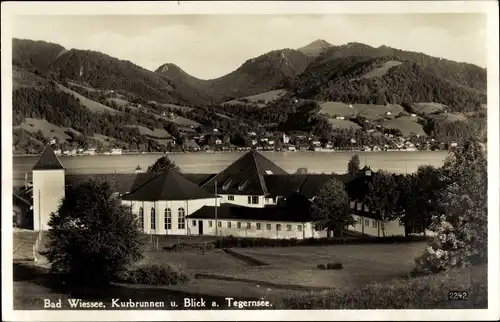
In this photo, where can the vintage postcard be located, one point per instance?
(250, 161)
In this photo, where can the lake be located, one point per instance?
(317, 162)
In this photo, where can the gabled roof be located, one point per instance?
(119, 182)
(245, 176)
(199, 178)
(228, 211)
(307, 185)
(168, 185)
(48, 160)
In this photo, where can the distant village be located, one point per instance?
(213, 142)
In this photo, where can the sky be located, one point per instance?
(210, 46)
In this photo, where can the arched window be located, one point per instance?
(168, 218)
(182, 219)
(153, 218)
(141, 218)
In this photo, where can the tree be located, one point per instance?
(92, 237)
(461, 231)
(330, 209)
(301, 171)
(382, 197)
(163, 164)
(353, 165)
(418, 195)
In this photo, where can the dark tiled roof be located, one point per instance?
(119, 182)
(248, 173)
(284, 185)
(21, 201)
(358, 187)
(228, 211)
(48, 161)
(307, 185)
(199, 178)
(168, 185)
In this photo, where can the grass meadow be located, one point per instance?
(373, 276)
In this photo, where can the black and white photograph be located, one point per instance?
(250, 160)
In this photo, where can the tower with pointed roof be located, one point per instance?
(138, 170)
(48, 188)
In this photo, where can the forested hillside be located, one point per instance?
(341, 80)
(337, 94)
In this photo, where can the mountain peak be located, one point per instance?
(320, 42)
(168, 67)
(315, 48)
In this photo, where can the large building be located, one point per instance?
(246, 199)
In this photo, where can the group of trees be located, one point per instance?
(411, 198)
(450, 201)
(446, 131)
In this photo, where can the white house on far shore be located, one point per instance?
(242, 200)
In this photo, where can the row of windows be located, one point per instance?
(258, 226)
(181, 224)
(367, 223)
(252, 200)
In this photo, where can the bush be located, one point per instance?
(334, 266)
(155, 274)
(330, 266)
(461, 228)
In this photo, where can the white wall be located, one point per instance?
(48, 191)
(189, 207)
(373, 227)
(209, 228)
(242, 200)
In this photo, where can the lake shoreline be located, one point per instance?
(228, 152)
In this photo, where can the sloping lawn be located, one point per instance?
(427, 292)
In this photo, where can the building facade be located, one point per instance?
(243, 200)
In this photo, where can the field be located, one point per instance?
(425, 292)
(260, 99)
(382, 70)
(120, 102)
(369, 111)
(158, 133)
(185, 122)
(90, 89)
(297, 266)
(427, 108)
(267, 97)
(343, 124)
(48, 129)
(289, 278)
(93, 106)
(449, 117)
(374, 112)
(337, 109)
(406, 124)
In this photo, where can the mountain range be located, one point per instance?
(353, 73)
